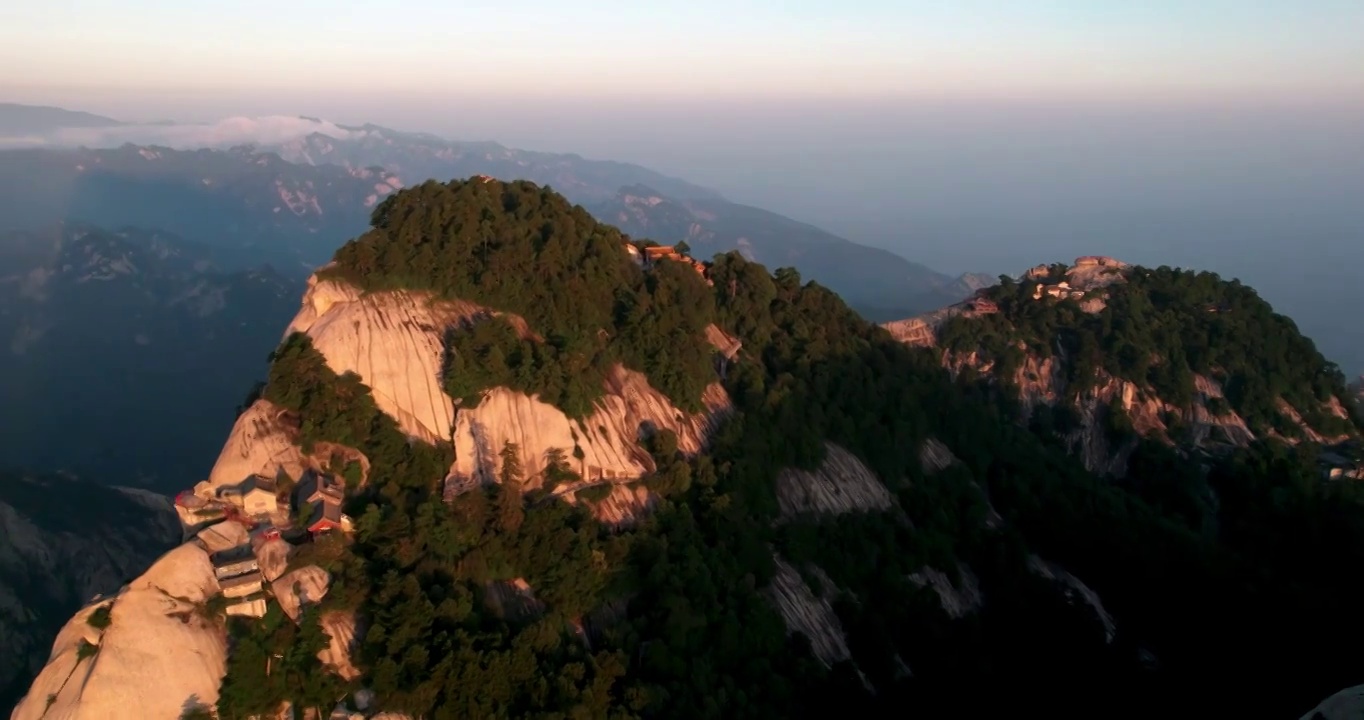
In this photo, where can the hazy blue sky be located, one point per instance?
(705, 48)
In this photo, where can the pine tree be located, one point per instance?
(510, 508)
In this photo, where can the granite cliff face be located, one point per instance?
(56, 556)
(159, 656)
(844, 485)
(1041, 383)
(155, 656)
(394, 340)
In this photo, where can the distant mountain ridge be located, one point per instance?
(20, 120)
(867, 278)
(421, 156)
(248, 207)
(293, 197)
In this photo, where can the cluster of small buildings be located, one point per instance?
(238, 572)
(653, 254)
(1061, 290)
(1336, 466)
(256, 505)
(257, 498)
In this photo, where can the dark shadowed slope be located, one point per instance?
(65, 541)
(124, 353)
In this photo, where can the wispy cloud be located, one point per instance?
(231, 131)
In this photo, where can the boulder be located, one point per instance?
(304, 585)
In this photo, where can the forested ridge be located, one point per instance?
(1224, 611)
(525, 250)
(1159, 328)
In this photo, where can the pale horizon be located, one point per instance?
(1055, 50)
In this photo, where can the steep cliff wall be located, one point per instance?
(808, 613)
(264, 441)
(603, 446)
(840, 484)
(394, 340)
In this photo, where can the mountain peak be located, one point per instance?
(1177, 355)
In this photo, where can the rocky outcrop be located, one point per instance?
(1041, 381)
(305, 585)
(958, 599)
(808, 613)
(922, 331)
(1334, 407)
(624, 505)
(273, 558)
(1075, 591)
(156, 637)
(263, 442)
(603, 446)
(513, 599)
(66, 541)
(341, 628)
(840, 484)
(934, 456)
(395, 341)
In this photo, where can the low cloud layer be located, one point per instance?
(231, 131)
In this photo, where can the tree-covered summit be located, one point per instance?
(520, 248)
(1159, 328)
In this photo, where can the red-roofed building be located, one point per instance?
(331, 519)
